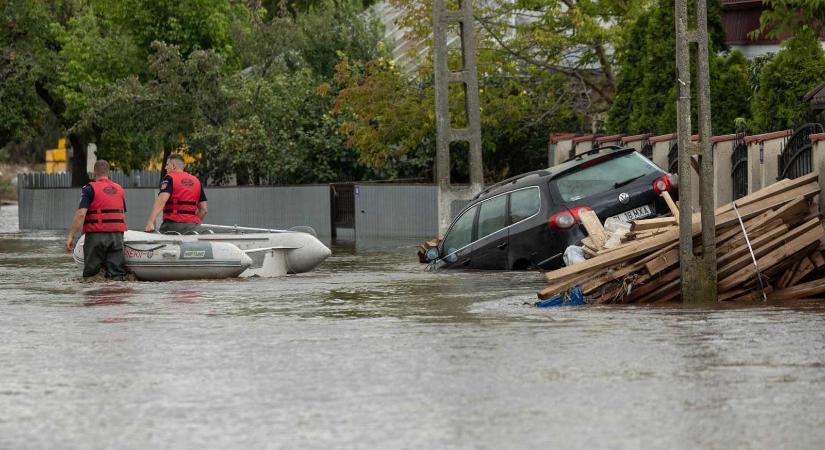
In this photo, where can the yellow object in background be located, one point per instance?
(56, 157)
(157, 162)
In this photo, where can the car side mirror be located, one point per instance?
(432, 254)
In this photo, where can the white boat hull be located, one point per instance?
(160, 257)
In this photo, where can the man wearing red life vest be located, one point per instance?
(102, 213)
(181, 199)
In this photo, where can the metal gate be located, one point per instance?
(673, 159)
(739, 167)
(796, 159)
(342, 202)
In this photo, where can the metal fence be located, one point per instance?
(673, 159)
(739, 167)
(143, 178)
(373, 211)
(795, 159)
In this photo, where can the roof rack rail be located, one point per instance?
(541, 172)
(594, 151)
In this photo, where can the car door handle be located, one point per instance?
(502, 246)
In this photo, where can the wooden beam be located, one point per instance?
(595, 230)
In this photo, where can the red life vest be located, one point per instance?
(105, 213)
(182, 205)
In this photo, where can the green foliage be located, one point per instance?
(334, 28)
(795, 70)
(729, 91)
(93, 53)
(190, 25)
(646, 94)
(782, 17)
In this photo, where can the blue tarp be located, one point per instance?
(573, 297)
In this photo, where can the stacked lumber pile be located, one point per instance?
(783, 226)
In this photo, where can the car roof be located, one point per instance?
(542, 175)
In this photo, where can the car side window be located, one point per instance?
(492, 216)
(461, 234)
(523, 204)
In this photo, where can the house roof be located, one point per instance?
(816, 97)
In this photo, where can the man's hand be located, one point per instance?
(69, 244)
(150, 227)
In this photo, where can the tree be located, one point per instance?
(137, 118)
(647, 82)
(795, 70)
(782, 17)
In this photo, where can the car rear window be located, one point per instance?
(602, 176)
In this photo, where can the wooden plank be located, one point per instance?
(671, 205)
(804, 290)
(562, 286)
(636, 248)
(773, 258)
(763, 246)
(805, 267)
(770, 190)
(653, 286)
(817, 258)
(730, 295)
(595, 230)
(651, 224)
(621, 272)
(742, 250)
(785, 279)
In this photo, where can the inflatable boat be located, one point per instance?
(229, 252)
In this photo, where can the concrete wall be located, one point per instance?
(635, 142)
(818, 162)
(396, 211)
(723, 183)
(559, 149)
(763, 150)
(661, 146)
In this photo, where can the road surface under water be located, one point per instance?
(369, 351)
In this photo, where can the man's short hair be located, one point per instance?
(178, 159)
(102, 168)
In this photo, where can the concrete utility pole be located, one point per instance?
(698, 278)
(443, 17)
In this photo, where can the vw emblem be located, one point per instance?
(624, 198)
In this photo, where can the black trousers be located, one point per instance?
(169, 227)
(104, 251)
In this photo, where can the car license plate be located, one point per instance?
(635, 213)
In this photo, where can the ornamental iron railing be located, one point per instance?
(739, 167)
(796, 159)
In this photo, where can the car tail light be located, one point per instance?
(566, 219)
(662, 184)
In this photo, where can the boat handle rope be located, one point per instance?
(145, 249)
(750, 248)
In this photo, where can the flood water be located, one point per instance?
(370, 351)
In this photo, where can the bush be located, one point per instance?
(796, 69)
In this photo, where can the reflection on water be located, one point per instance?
(370, 351)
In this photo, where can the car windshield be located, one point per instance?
(603, 176)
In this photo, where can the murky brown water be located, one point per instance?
(369, 351)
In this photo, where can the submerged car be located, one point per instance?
(528, 221)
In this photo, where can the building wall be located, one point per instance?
(723, 192)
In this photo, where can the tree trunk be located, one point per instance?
(79, 175)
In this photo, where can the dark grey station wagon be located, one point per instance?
(527, 221)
